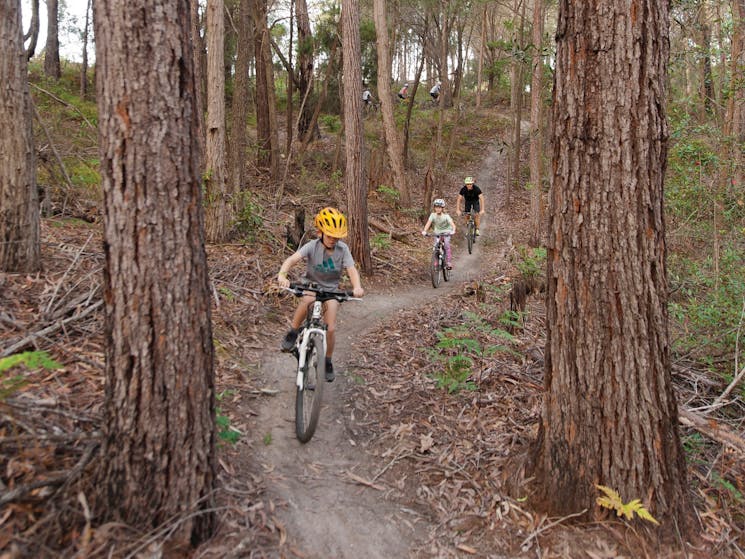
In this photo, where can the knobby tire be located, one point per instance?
(436, 270)
(471, 235)
(308, 398)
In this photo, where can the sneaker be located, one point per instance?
(478, 232)
(330, 376)
(288, 342)
(450, 266)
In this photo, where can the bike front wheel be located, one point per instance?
(471, 236)
(445, 270)
(309, 395)
(436, 271)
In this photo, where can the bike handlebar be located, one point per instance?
(439, 235)
(322, 293)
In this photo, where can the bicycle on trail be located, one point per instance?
(470, 231)
(310, 351)
(439, 268)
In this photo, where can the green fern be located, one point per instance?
(612, 500)
(9, 385)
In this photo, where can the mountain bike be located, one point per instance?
(438, 266)
(310, 351)
(470, 231)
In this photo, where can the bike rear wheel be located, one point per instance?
(308, 397)
(436, 270)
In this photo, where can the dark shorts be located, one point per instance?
(473, 205)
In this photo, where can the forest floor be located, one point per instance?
(399, 467)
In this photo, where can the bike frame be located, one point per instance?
(311, 327)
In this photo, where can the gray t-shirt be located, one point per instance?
(325, 269)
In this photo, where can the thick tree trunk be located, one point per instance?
(84, 64)
(19, 200)
(305, 62)
(199, 72)
(51, 51)
(158, 455)
(609, 415)
(354, 147)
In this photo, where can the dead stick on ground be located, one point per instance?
(711, 428)
(49, 329)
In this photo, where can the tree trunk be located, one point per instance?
(354, 147)
(263, 139)
(157, 462)
(198, 42)
(393, 142)
(84, 64)
(737, 100)
(33, 30)
(51, 51)
(219, 202)
(610, 414)
(239, 108)
(19, 199)
(536, 128)
(306, 51)
(479, 73)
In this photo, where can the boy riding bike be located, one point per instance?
(326, 258)
(472, 198)
(441, 223)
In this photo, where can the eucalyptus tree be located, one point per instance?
(393, 141)
(51, 50)
(157, 461)
(219, 200)
(19, 200)
(609, 415)
(354, 146)
(267, 135)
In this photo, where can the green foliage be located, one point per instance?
(707, 302)
(248, 218)
(267, 439)
(381, 241)
(225, 432)
(227, 293)
(389, 194)
(331, 122)
(612, 500)
(9, 385)
(459, 351)
(530, 262)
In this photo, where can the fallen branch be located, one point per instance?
(22, 491)
(712, 428)
(374, 223)
(50, 329)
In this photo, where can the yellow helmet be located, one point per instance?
(468, 180)
(332, 222)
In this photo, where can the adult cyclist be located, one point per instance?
(470, 198)
(326, 258)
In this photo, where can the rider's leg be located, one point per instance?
(447, 250)
(329, 316)
(302, 309)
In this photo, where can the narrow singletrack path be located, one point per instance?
(326, 500)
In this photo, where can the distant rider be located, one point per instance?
(471, 197)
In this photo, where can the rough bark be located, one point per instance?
(158, 456)
(84, 64)
(239, 109)
(19, 200)
(536, 128)
(609, 414)
(393, 142)
(354, 147)
(51, 51)
(306, 51)
(219, 202)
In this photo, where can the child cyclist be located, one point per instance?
(441, 223)
(326, 258)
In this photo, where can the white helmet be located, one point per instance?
(439, 202)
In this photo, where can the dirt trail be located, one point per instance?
(327, 512)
